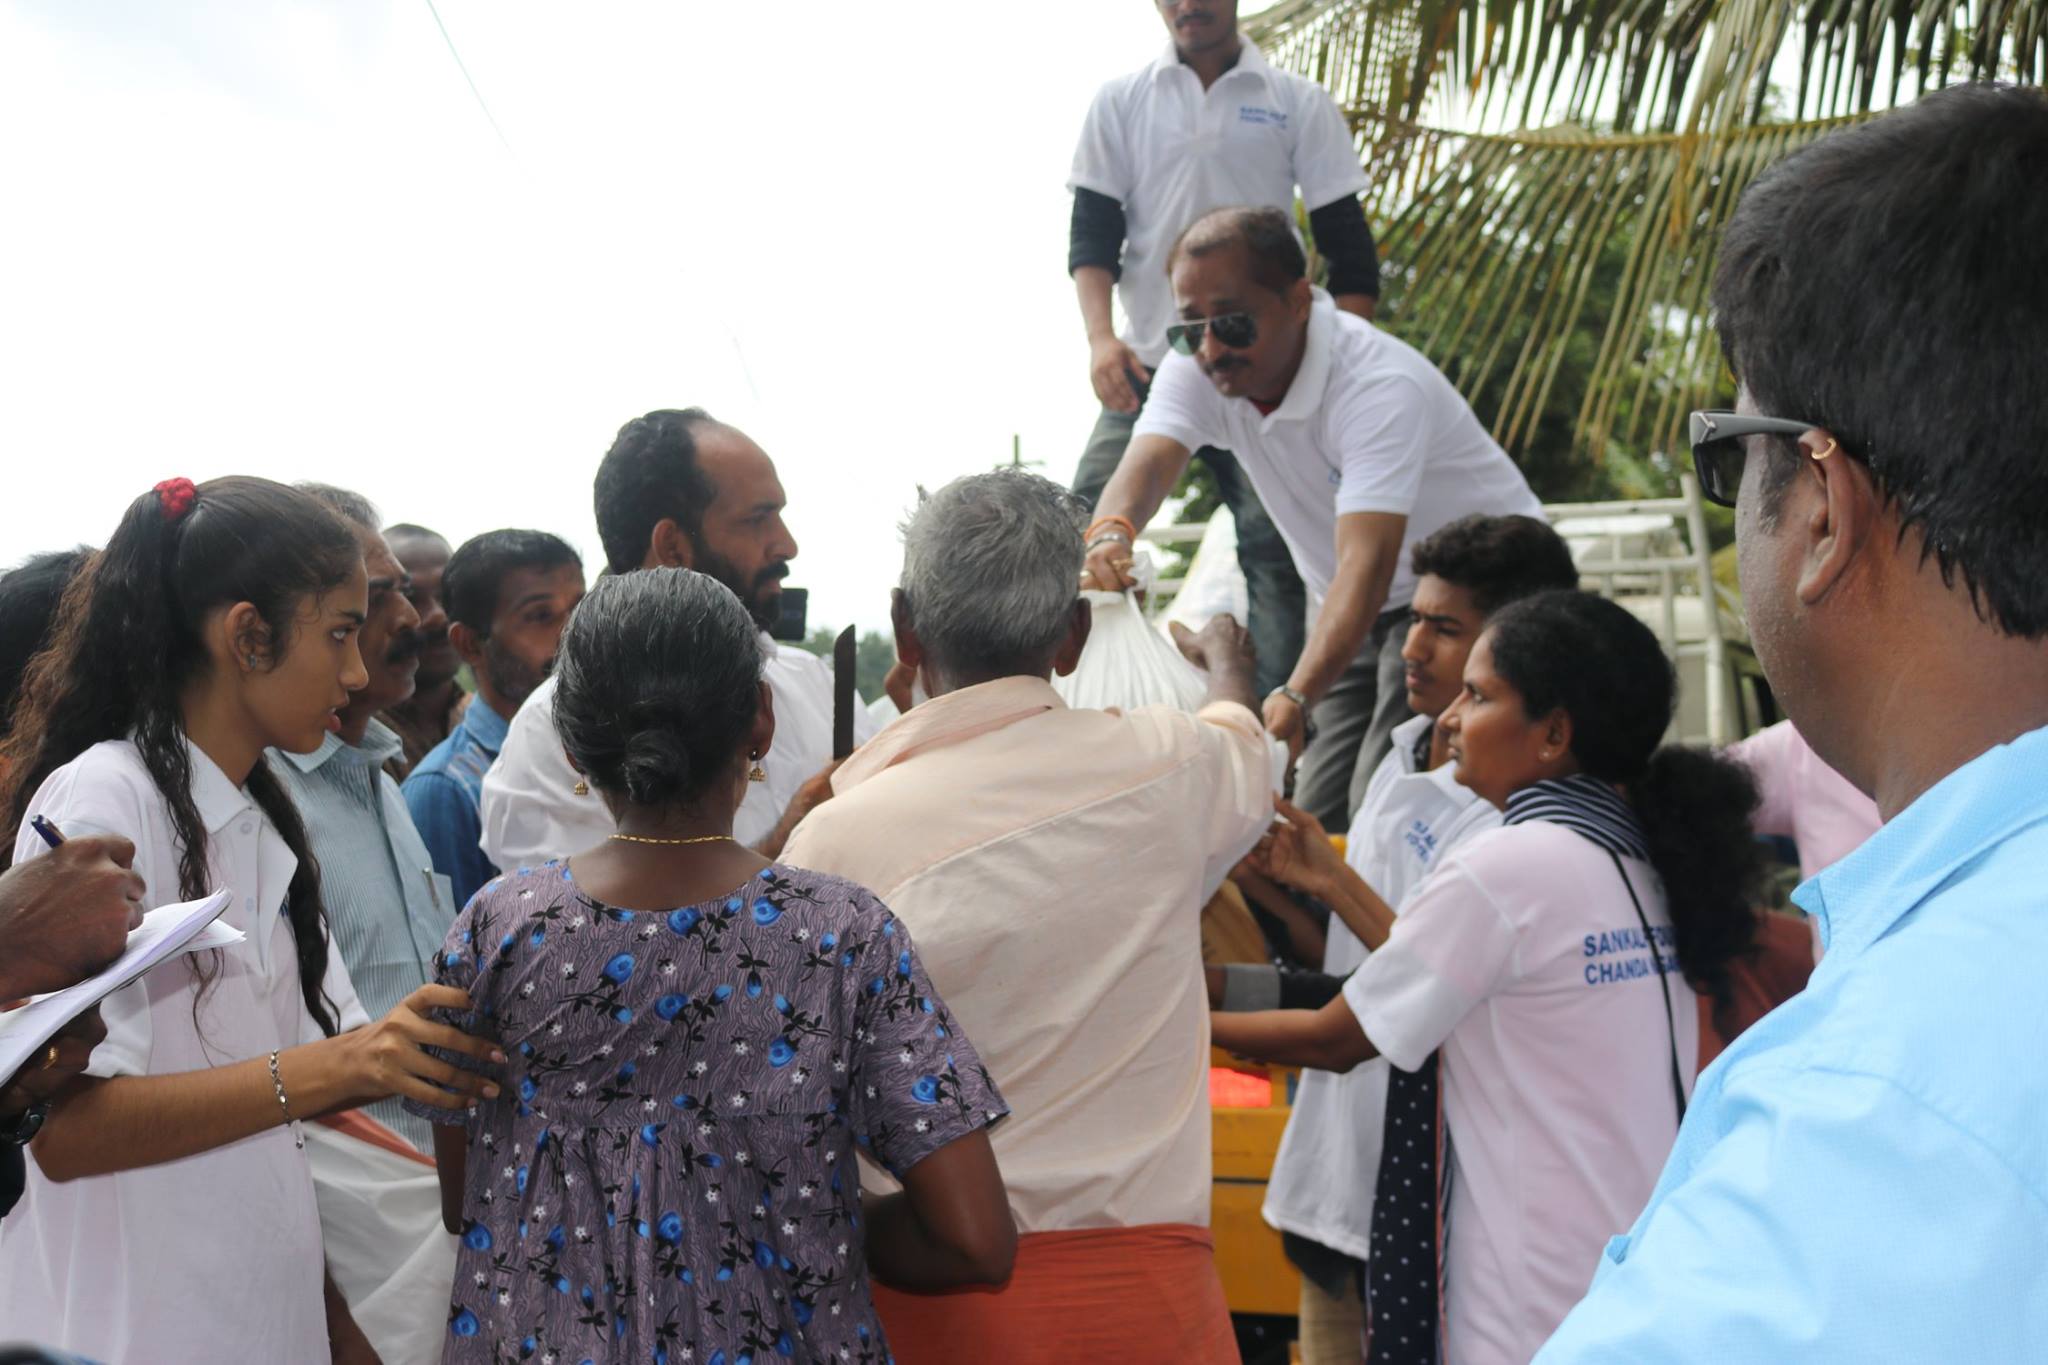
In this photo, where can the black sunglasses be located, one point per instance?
(1718, 454)
(1235, 330)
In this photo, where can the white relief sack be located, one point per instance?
(1127, 663)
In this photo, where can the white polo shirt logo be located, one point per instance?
(1169, 151)
(1621, 955)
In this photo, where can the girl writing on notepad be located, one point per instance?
(170, 1212)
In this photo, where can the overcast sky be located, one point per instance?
(283, 239)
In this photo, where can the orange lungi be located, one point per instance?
(1127, 1295)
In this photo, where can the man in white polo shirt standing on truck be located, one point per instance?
(1358, 446)
(1206, 125)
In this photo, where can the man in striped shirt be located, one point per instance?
(387, 908)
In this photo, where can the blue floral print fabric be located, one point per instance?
(669, 1174)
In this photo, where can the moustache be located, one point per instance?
(774, 573)
(406, 645)
(1229, 364)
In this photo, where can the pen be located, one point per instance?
(50, 833)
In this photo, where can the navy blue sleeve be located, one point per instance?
(13, 1175)
(1309, 990)
(1097, 234)
(1345, 241)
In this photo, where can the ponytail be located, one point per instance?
(127, 642)
(1695, 807)
(302, 901)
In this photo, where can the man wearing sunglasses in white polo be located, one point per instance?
(1207, 123)
(1357, 445)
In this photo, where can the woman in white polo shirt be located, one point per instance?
(1542, 961)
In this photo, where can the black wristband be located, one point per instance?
(1096, 233)
(1344, 240)
(24, 1129)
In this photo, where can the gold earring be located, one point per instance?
(1829, 451)
(581, 788)
(757, 773)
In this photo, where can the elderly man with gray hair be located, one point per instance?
(1051, 865)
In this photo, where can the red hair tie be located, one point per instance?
(177, 497)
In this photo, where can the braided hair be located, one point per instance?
(128, 641)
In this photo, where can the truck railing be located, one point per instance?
(1659, 585)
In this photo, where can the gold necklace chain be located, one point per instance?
(643, 839)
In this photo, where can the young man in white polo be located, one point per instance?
(1320, 1197)
(1358, 446)
(1206, 124)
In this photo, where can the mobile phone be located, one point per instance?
(796, 609)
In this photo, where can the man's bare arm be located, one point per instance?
(1368, 551)
(1150, 467)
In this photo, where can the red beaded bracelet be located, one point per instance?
(1101, 522)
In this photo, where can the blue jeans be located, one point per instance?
(1354, 725)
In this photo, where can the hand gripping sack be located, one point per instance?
(1128, 664)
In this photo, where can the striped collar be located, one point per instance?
(1588, 807)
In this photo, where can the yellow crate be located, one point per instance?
(1256, 1275)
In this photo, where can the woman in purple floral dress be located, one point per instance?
(700, 1042)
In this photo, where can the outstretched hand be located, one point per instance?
(1221, 641)
(391, 1057)
(1296, 851)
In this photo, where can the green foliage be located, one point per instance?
(1552, 178)
(874, 652)
(1484, 364)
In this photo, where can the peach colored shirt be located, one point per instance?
(1051, 866)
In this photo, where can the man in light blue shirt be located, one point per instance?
(509, 595)
(387, 909)
(1863, 1175)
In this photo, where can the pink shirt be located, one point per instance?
(1805, 800)
(1051, 866)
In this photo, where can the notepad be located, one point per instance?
(165, 933)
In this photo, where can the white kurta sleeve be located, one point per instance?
(1239, 776)
(530, 809)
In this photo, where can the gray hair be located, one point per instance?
(351, 507)
(991, 572)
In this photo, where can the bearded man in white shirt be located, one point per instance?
(679, 488)
(1358, 447)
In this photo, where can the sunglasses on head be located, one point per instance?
(1235, 330)
(1718, 453)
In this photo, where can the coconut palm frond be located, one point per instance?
(1636, 65)
(1499, 64)
(1554, 265)
(1560, 273)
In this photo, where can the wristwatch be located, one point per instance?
(1308, 724)
(27, 1126)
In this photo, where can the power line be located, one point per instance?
(470, 81)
